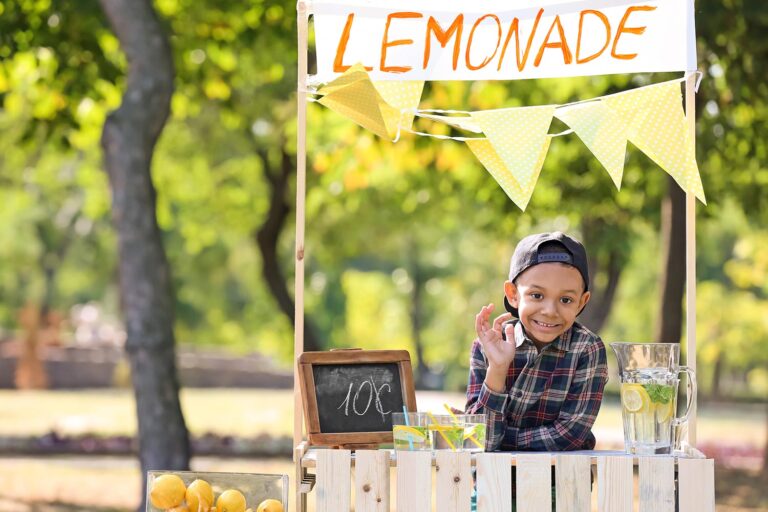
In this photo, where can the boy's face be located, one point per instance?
(548, 296)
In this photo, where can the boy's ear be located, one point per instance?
(584, 299)
(510, 290)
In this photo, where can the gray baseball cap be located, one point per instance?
(553, 247)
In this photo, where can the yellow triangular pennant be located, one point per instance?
(404, 96)
(354, 96)
(517, 135)
(382, 108)
(602, 131)
(493, 163)
(353, 74)
(656, 125)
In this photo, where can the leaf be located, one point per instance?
(659, 393)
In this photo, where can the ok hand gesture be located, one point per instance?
(500, 352)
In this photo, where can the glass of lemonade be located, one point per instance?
(474, 431)
(447, 432)
(412, 434)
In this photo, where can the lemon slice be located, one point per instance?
(663, 412)
(634, 397)
(406, 433)
(474, 431)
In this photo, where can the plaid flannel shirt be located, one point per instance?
(551, 397)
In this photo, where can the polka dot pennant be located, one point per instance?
(656, 124)
(602, 131)
(495, 165)
(354, 96)
(401, 95)
(517, 135)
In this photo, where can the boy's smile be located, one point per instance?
(548, 297)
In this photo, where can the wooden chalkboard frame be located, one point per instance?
(350, 356)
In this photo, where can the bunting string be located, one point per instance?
(512, 143)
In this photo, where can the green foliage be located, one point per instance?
(415, 229)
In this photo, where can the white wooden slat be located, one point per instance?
(614, 484)
(494, 482)
(414, 481)
(573, 483)
(454, 481)
(333, 480)
(697, 485)
(534, 482)
(657, 484)
(371, 481)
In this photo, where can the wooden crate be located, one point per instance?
(451, 475)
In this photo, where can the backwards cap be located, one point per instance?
(554, 247)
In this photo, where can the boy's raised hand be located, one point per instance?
(499, 352)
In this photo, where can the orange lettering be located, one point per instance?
(338, 66)
(562, 44)
(472, 34)
(513, 27)
(631, 30)
(443, 37)
(398, 42)
(607, 25)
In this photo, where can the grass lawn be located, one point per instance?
(249, 412)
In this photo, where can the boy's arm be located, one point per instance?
(573, 425)
(481, 400)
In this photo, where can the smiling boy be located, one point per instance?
(536, 373)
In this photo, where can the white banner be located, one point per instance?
(491, 40)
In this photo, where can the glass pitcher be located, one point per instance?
(649, 374)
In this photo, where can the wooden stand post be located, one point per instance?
(690, 253)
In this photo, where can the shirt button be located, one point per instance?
(519, 394)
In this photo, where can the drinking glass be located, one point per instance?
(412, 434)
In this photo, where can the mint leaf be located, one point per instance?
(659, 393)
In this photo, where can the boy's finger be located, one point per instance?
(509, 330)
(500, 320)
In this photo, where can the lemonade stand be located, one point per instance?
(372, 62)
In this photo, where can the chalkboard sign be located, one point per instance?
(349, 395)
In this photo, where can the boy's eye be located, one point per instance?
(566, 300)
(536, 296)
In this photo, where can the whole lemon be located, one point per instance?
(270, 505)
(167, 491)
(199, 496)
(231, 500)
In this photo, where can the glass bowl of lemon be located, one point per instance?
(192, 491)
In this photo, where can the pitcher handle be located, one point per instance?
(690, 392)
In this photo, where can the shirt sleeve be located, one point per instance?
(573, 426)
(481, 400)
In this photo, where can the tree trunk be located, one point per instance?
(669, 321)
(596, 313)
(417, 279)
(268, 235)
(717, 375)
(146, 295)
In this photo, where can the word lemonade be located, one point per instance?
(555, 39)
(425, 431)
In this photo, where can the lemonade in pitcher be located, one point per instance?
(648, 402)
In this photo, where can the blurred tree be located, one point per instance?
(128, 141)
